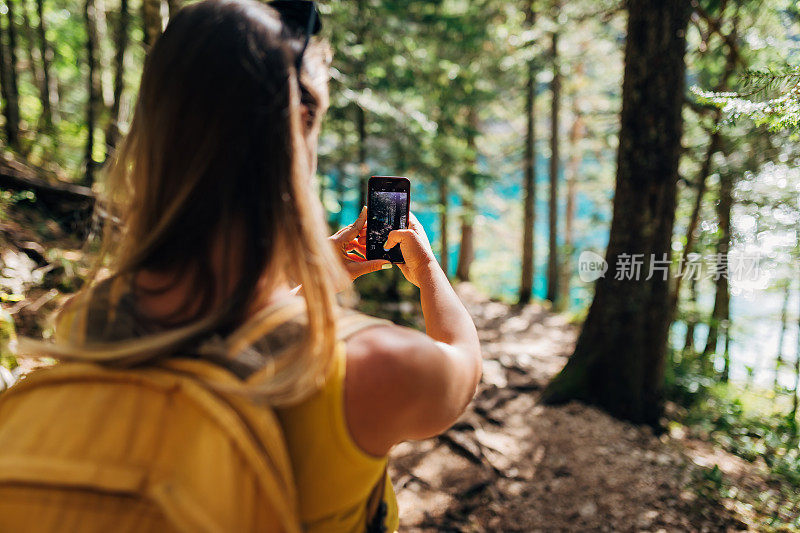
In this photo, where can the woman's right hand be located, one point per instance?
(416, 249)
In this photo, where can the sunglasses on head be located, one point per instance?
(300, 16)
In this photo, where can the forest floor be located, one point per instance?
(511, 464)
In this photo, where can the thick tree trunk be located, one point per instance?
(50, 102)
(121, 40)
(553, 265)
(618, 363)
(92, 89)
(153, 23)
(444, 205)
(466, 251)
(529, 186)
(8, 76)
(782, 335)
(720, 313)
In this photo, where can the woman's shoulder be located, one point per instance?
(393, 381)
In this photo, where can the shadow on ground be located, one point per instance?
(512, 465)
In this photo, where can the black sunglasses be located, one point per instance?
(300, 16)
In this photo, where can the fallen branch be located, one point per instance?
(19, 177)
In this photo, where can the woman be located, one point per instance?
(221, 228)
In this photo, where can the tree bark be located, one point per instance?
(619, 359)
(720, 313)
(553, 266)
(466, 251)
(529, 185)
(92, 89)
(50, 102)
(121, 40)
(8, 77)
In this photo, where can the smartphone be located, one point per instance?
(388, 201)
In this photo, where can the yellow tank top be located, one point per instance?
(334, 476)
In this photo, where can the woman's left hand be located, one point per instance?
(350, 242)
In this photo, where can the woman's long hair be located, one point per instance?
(214, 157)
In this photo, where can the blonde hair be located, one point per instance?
(214, 150)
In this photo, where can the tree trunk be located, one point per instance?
(103, 56)
(50, 102)
(466, 251)
(726, 354)
(618, 363)
(92, 89)
(35, 68)
(782, 336)
(361, 116)
(444, 205)
(8, 77)
(720, 313)
(553, 265)
(529, 217)
(576, 133)
(714, 143)
(121, 40)
(796, 395)
(341, 181)
(363, 167)
(153, 23)
(691, 321)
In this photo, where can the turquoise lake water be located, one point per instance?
(498, 255)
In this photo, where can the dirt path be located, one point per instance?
(512, 465)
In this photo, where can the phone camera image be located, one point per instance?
(388, 210)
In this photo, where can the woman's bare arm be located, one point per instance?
(402, 384)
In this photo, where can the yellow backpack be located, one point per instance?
(88, 448)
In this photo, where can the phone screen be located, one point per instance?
(387, 210)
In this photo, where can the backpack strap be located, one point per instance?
(348, 323)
